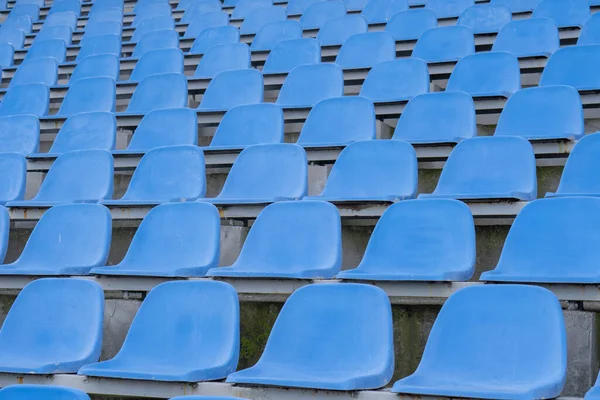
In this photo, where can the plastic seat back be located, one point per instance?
(274, 32)
(485, 18)
(444, 117)
(529, 37)
(306, 85)
(89, 94)
(153, 10)
(101, 28)
(410, 25)
(578, 176)
(338, 121)
(550, 112)
(73, 309)
(518, 6)
(187, 4)
(30, 10)
(165, 127)
(336, 30)
(449, 9)
(61, 32)
(22, 23)
(161, 61)
(107, 14)
(54, 48)
(260, 17)
(316, 14)
(14, 37)
(200, 7)
(86, 131)
(447, 43)
(100, 65)
(223, 57)
(590, 33)
(486, 74)
(288, 54)
(168, 174)
(243, 8)
(31, 98)
(16, 392)
(573, 66)
(298, 7)
(66, 5)
(233, 88)
(105, 44)
(19, 134)
(67, 18)
(472, 341)
(205, 21)
(156, 40)
(213, 36)
(251, 124)
(13, 181)
(396, 80)
(37, 70)
(315, 318)
(565, 13)
(7, 53)
(489, 167)
(159, 91)
(380, 11)
(150, 25)
(366, 49)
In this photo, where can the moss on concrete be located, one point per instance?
(256, 322)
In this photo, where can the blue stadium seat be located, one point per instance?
(410, 25)
(474, 337)
(75, 177)
(485, 18)
(101, 65)
(30, 10)
(543, 113)
(55, 48)
(448, 43)
(489, 168)
(297, 7)
(161, 61)
(365, 50)
(42, 392)
(156, 9)
(22, 23)
(265, 173)
(218, 35)
(551, 241)
(158, 91)
(187, 4)
(183, 332)
(336, 30)
(204, 21)
(73, 309)
(101, 28)
(156, 40)
(594, 392)
(318, 13)
(372, 170)
(140, 4)
(579, 174)
(66, 5)
(573, 66)
(36, 70)
(518, 6)
(101, 6)
(442, 117)
(104, 44)
(532, 37)
(12, 181)
(84, 131)
(199, 7)
(233, 88)
(486, 75)
(107, 14)
(311, 338)
(19, 134)
(355, 5)
(173, 240)
(153, 24)
(306, 85)
(166, 174)
(417, 240)
(288, 54)
(260, 17)
(565, 13)
(273, 33)
(61, 32)
(449, 9)
(243, 8)
(223, 57)
(14, 37)
(590, 33)
(79, 97)
(338, 121)
(67, 18)
(7, 54)
(32, 98)
(396, 80)
(380, 11)
(163, 127)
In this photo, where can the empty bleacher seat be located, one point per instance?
(61, 32)
(223, 57)
(22, 23)
(183, 332)
(486, 75)
(306, 85)
(14, 37)
(153, 24)
(67, 18)
(19, 134)
(372, 170)
(156, 40)
(444, 117)
(396, 80)
(199, 7)
(159, 91)
(338, 121)
(213, 36)
(260, 17)
(410, 25)
(163, 127)
(55, 48)
(316, 320)
(365, 50)
(265, 173)
(166, 174)
(232, 88)
(66, 5)
(573, 66)
(161, 61)
(417, 240)
(204, 21)
(78, 98)
(31, 98)
(244, 7)
(37, 70)
(532, 37)
(73, 309)
(30, 10)
(174, 240)
(565, 13)
(489, 168)
(288, 54)
(297, 7)
(485, 18)
(449, 9)
(100, 28)
(7, 54)
(593, 393)
(13, 179)
(448, 43)
(156, 9)
(246, 125)
(380, 11)
(590, 33)
(318, 13)
(336, 30)
(274, 32)
(107, 14)
(187, 4)
(473, 340)
(518, 6)
(20, 392)
(75, 177)
(96, 66)
(104, 44)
